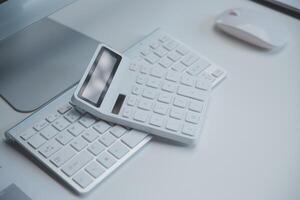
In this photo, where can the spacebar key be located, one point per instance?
(77, 163)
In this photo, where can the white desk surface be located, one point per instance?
(250, 145)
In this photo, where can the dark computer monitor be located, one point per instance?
(39, 57)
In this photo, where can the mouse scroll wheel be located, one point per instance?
(233, 13)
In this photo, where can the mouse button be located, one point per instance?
(255, 31)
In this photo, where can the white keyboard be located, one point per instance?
(78, 148)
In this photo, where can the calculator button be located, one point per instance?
(193, 117)
(149, 93)
(172, 76)
(140, 115)
(190, 59)
(158, 71)
(153, 82)
(141, 79)
(160, 51)
(189, 129)
(145, 104)
(133, 66)
(196, 68)
(161, 108)
(177, 113)
(169, 86)
(191, 92)
(170, 45)
(164, 38)
(179, 67)
(196, 105)
(180, 102)
(187, 80)
(127, 112)
(203, 85)
(182, 50)
(154, 44)
(152, 58)
(165, 62)
(131, 101)
(165, 97)
(156, 120)
(173, 125)
(174, 56)
(217, 73)
(145, 69)
(136, 90)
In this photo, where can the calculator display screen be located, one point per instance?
(100, 76)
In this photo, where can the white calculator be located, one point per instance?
(150, 98)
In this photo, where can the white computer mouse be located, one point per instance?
(253, 27)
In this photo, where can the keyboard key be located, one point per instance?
(87, 120)
(127, 112)
(118, 150)
(149, 93)
(61, 123)
(49, 132)
(158, 71)
(188, 80)
(190, 59)
(77, 163)
(196, 105)
(96, 148)
(169, 86)
(76, 129)
(72, 115)
(173, 125)
(153, 82)
(156, 120)
(145, 104)
(63, 156)
(118, 131)
(133, 138)
(50, 148)
(64, 137)
(106, 160)
(189, 129)
(161, 108)
(191, 93)
(101, 127)
(90, 135)
(65, 108)
(174, 56)
(36, 141)
(79, 143)
(52, 117)
(173, 76)
(193, 117)
(140, 115)
(165, 97)
(40, 125)
(95, 169)
(177, 113)
(137, 90)
(107, 139)
(28, 133)
(160, 51)
(83, 179)
(152, 58)
(141, 79)
(180, 102)
(179, 67)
